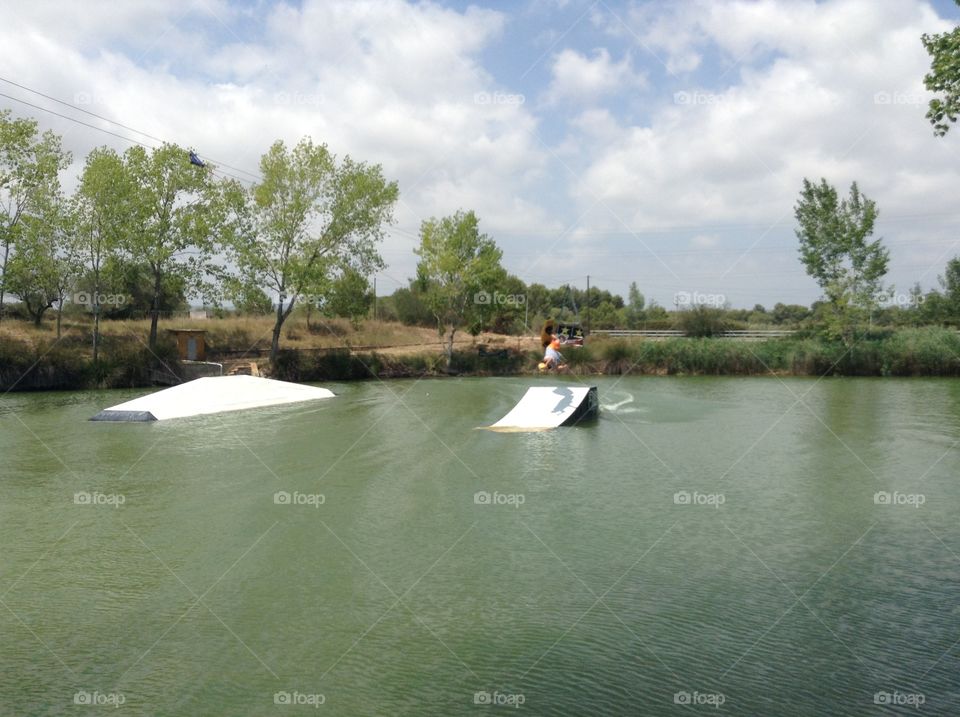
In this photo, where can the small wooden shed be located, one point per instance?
(191, 344)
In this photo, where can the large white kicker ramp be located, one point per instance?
(545, 407)
(214, 394)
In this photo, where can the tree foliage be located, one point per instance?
(30, 165)
(99, 216)
(350, 296)
(943, 78)
(950, 281)
(459, 272)
(309, 220)
(251, 300)
(835, 250)
(45, 267)
(174, 215)
(701, 321)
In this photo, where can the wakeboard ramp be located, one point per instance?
(546, 407)
(213, 394)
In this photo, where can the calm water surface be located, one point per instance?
(713, 545)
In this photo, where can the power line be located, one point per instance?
(215, 170)
(72, 119)
(213, 160)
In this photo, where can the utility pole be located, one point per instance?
(586, 328)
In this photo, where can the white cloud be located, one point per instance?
(758, 95)
(579, 78)
(387, 82)
(704, 241)
(801, 103)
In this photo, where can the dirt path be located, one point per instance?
(493, 342)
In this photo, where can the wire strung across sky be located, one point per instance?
(218, 164)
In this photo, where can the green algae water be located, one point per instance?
(708, 545)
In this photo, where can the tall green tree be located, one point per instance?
(176, 215)
(459, 272)
(309, 220)
(46, 265)
(350, 296)
(943, 78)
(133, 281)
(836, 251)
(101, 212)
(636, 302)
(537, 306)
(410, 306)
(950, 281)
(30, 165)
(251, 300)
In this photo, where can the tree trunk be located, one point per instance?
(96, 307)
(155, 310)
(96, 330)
(59, 316)
(3, 277)
(275, 341)
(449, 347)
(282, 315)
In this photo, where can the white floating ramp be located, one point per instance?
(214, 394)
(545, 407)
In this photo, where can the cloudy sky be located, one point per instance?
(657, 142)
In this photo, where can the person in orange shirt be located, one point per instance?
(552, 358)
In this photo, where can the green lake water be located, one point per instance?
(748, 546)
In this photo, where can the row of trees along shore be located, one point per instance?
(155, 228)
(158, 226)
(166, 227)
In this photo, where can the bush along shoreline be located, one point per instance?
(128, 364)
(907, 352)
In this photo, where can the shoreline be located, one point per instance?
(926, 352)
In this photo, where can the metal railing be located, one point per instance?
(743, 335)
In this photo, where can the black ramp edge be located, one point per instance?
(589, 408)
(128, 416)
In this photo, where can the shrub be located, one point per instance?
(701, 321)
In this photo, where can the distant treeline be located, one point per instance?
(601, 309)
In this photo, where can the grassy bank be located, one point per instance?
(49, 364)
(908, 352)
(41, 362)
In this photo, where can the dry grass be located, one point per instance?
(247, 332)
